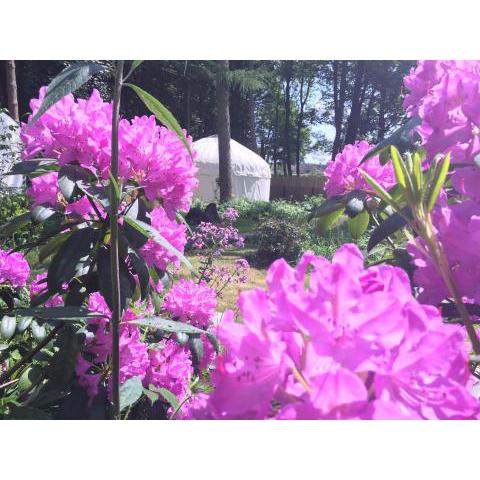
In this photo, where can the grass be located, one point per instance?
(229, 296)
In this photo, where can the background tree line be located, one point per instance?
(281, 109)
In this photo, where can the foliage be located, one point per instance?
(277, 238)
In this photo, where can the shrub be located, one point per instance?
(11, 206)
(277, 238)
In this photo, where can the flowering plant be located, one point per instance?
(107, 192)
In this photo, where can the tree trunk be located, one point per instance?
(188, 103)
(251, 129)
(12, 98)
(339, 94)
(381, 113)
(288, 79)
(223, 130)
(356, 110)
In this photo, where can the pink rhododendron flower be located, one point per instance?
(333, 340)
(170, 367)
(173, 232)
(446, 96)
(80, 132)
(343, 173)
(191, 302)
(44, 190)
(14, 269)
(39, 286)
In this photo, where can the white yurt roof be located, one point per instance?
(10, 148)
(245, 162)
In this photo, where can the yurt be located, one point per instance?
(10, 148)
(250, 172)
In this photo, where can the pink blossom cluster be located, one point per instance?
(191, 302)
(230, 216)
(174, 232)
(446, 96)
(338, 341)
(14, 269)
(208, 235)
(219, 277)
(80, 132)
(343, 174)
(165, 364)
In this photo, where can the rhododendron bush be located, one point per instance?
(107, 324)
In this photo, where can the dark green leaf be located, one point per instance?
(140, 268)
(162, 113)
(388, 227)
(401, 138)
(16, 223)
(57, 313)
(130, 392)
(73, 258)
(329, 206)
(137, 211)
(67, 81)
(61, 367)
(41, 213)
(52, 246)
(127, 282)
(196, 348)
(69, 179)
(31, 167)
(151, 232)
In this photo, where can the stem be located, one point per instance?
(440, 259)
(114, 260)
(30, 354)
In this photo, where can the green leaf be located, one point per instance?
(34, 167)
(441, 172)
(130, 392)
(16, 223)
(152, 233)
(72, 259)
(61, 367)
(69, 179)
(379, 190)
(41, 213)
(401, 139)
(52, 246)
(398, 167)
(358, 224)
(388, 227)
(326, 222)
(127, 282)
(329, 206)
(29, 378)
(162, 113)
(196, 348)
(169, 397)
(137, 211)
(67, 81)
(57, 313)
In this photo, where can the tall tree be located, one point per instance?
(223, 130)
(358, 94)
(287, 76)
(306, 75)
(12, 97)
(339, 95)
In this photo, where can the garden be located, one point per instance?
(126, 295)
